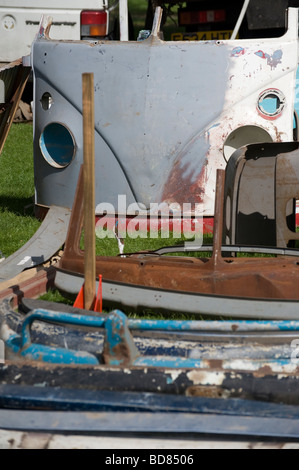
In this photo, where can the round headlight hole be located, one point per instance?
(57, 145)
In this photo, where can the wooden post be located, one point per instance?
(89, 190)
(218, 218)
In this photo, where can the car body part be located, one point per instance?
(178, 109)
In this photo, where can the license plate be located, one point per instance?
(202, 36)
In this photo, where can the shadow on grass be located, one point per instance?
(23, 206)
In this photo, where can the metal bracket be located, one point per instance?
(119, 346)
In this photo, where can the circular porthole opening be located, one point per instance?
(57, 145)
(271, 103)
(244, 135)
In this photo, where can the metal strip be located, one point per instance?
(123, 294)
(224, 249)
(46, 241)
(60, 399)
(184, 423)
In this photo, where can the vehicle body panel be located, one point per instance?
(174, 113)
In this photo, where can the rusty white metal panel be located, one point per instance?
(167, 114)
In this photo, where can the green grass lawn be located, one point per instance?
(137, 9)
(17, 221)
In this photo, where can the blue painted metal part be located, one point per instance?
(214, 325)
(170, 362)
(120, 349)
(119, 346)
(22, 345)
(57, 317)
(54, 355)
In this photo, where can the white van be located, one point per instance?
(72, 19)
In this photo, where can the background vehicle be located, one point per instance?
(71, 20)
(219, 19)
(75, 20)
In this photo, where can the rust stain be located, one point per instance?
(210, 391)
(181, 189)
(215, 364)
(263, 371)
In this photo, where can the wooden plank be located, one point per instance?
(89, 189)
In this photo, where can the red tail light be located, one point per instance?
(199, 17)
(93, 23)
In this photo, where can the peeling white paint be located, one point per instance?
(199, 377)
(252, 365)
(174, 374)
(6, 332)
(42, 384)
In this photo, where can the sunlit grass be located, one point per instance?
(108, 245)
(53, 295)
(17, 221)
